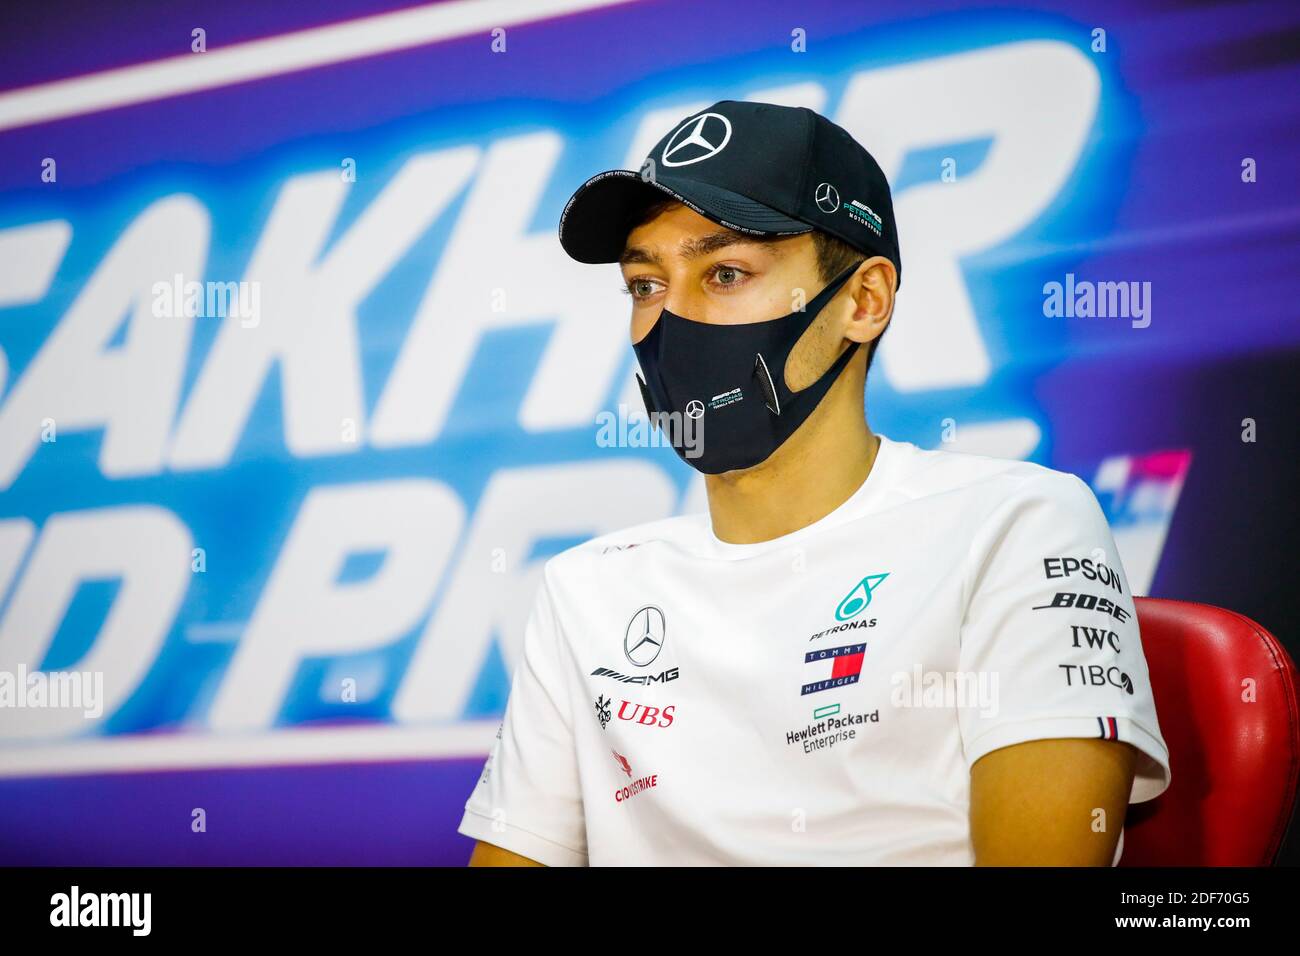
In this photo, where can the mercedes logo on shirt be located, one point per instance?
(695, 408)
(827, 197)
(645, 636)
(698, 139)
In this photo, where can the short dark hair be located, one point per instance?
(834, 255)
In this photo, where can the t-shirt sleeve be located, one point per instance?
(529, 799)
(1051, 626)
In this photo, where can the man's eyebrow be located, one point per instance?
(635, 254)
(694, 248)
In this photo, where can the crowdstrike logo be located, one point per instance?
(622, 762)
(623, 794)
(698, 139)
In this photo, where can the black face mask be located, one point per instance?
(733, 378)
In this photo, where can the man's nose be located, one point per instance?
(687, 305)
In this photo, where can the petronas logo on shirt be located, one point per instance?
(859, 597)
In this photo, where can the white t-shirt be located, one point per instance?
(819, 698)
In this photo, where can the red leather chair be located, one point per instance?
(1234, 764)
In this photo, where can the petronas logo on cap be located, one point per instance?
(859, 597)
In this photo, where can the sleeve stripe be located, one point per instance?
(1109, 728)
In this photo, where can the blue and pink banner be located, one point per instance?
(298, 389)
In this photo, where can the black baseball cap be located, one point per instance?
(757, 168)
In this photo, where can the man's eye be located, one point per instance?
(727, 275)
(640, 288)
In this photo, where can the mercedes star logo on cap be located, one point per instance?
(772, 171)
(682, 151)
(828, 198)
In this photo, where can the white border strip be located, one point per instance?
(143, 753)
(272, 56)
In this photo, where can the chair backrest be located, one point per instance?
(1225, 692)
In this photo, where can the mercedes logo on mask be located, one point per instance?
(828, 198)
(695, 408)
(645, 636)
(698, 139)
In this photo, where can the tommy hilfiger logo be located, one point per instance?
(834, 666)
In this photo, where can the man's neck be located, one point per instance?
(807, 478)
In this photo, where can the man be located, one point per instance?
(866, 652)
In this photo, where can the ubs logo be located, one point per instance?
(645, 636)
(602, 711)
(646, 715)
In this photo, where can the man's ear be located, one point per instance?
(872, 290)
